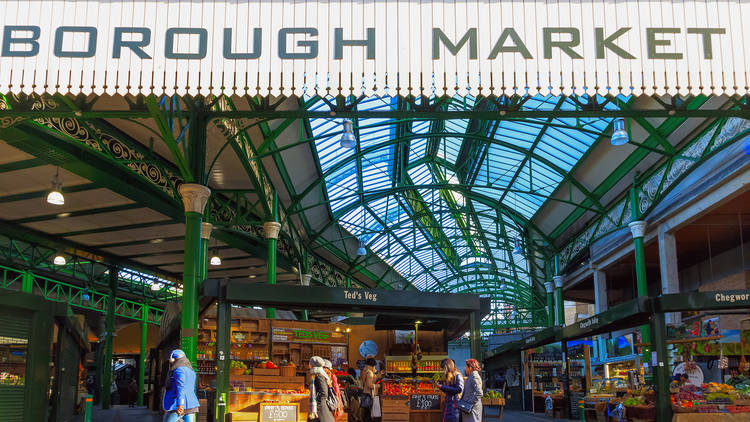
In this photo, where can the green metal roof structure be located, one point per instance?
(446, 194)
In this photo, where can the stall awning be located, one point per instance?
(390, 47)
(704, 301)
(540, 338)
(412, 302)
(629, 314)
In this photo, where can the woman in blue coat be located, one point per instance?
(452, 386)
(179, 397)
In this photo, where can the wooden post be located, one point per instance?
(587, 366)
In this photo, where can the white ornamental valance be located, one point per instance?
(375, 47)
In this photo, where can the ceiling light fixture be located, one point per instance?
(251, 276)
(55, 196)
(347, 139)
(59, 259)
(85, 296)
(155, 286)
(215, 259)
(361, 251)
(619, 133)
(518, 249)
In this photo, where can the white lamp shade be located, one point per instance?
(156, 286)
(55, 197)
(348, 140)
(59, 260)
(215, 260)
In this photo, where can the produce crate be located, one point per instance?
(266, 371)
(287, 371)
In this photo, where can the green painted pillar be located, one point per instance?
(206, 229)
(475, 336)
(27, 282)
(88, 401)
(109, 339)
(142, 361)
(638, 230)
(223, 331)
(560, 303)
(271, 229)
(550, 287)
(661, 370)
(194, 196)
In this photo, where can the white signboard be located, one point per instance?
(383, 47)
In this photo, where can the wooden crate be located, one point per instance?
(266, 371)
(396, 417)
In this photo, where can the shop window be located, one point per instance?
(13, 353)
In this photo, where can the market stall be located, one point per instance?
(623, 376)
(241, 392)
(505, 364)
(705, 355)
(543, 374)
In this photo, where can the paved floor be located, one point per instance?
(517, 416)
(121, 414)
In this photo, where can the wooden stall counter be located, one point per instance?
(711, 417)
(413, 408)
(246, 405)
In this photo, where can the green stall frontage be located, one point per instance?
(505, 363)
(26, 332)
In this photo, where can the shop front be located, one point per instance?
(543, 371)
(258, 365)
(704, 358)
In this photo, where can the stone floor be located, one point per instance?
(121, 414)
(518, 416)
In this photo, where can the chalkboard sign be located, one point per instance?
(424, 402)
(274, 412)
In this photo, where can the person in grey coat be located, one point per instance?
(473, 391)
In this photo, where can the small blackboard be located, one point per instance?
(424, 402)
(273, 412)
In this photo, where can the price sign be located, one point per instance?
(424, 402)
(273, 412)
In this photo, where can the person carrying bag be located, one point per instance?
(368, 389)
(471, 399)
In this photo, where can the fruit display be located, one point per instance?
(408, 386)
(6, 378)
(711, 397)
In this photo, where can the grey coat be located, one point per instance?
(473, 395)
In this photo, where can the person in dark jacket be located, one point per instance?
(452, 386)
(319, 410)
(179, 397)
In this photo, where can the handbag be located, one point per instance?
(464, 406)
(365, 401)
(376, 413)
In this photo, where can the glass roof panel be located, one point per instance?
(408, 221)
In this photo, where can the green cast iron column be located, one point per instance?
(223, 327)
(142, 361)
(638, 230)
(475, 339)
(109, 339)
(558, 278)
(272, 229)
(550, 287)
(661, 370)
(27, 282)
(194, 197)
(206, 229)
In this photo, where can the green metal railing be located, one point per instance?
(60, 291)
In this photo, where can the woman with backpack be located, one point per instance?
(321, 404)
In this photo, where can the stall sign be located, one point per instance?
(424, 402)
(295, 335)
(271, 412)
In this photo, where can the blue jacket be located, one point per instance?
(451, 413)
(181, 391)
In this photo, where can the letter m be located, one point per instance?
(439, 37)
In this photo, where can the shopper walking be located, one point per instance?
(452, 386)
(328, 366)
(319, 387)
(471, 399)
(179, 398)
(132, 392)
(369, 379)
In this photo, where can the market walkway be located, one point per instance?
(516, 416)
(121, 414)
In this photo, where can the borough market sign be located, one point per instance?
(372, 47)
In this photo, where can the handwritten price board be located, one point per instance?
(424, 402)
(274, 412)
